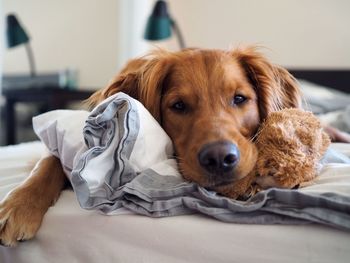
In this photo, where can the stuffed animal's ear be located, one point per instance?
(141, 79)
(276, 87)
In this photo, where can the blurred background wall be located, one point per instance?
(96, 37)
(309, 33)
(91, 36)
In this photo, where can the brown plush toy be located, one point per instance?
(290, 144)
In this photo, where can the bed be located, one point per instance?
(72, 234)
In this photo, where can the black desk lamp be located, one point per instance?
(16, 35)
(159, 24)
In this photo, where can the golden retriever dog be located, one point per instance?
(210, 102)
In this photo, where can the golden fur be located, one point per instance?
(22, 211)
(205, 81)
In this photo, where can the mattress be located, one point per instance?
(71, 234)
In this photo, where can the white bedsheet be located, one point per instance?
(71, 234)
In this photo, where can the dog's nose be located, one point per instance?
(219, 157)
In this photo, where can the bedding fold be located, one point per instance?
(118, 156)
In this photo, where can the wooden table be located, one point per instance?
(52, 97)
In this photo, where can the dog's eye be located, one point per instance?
(238, 99)
(179, 106)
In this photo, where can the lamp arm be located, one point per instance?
(31, 59)
(178, 34)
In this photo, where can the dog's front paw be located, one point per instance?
(19, 219)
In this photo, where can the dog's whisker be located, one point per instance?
(173, 156)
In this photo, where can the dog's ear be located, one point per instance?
(276, 87)
(141, 79)
(125, 81)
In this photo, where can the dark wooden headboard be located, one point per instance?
(336, 79)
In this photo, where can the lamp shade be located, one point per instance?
(16, 35)
(159, 23)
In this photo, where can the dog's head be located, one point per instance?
(211, 103)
